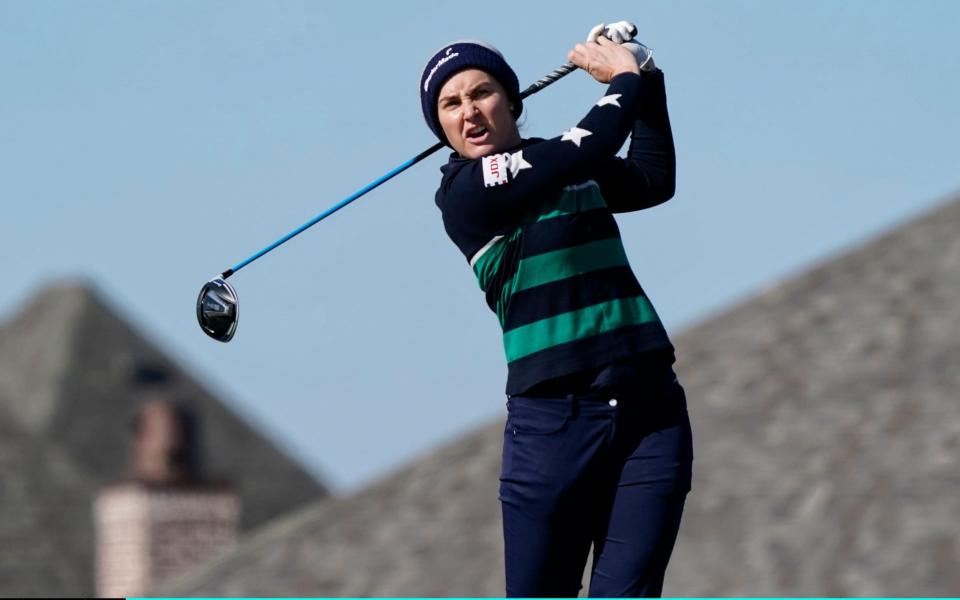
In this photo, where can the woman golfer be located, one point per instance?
(597, 445)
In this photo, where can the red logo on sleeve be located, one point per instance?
(494, 169)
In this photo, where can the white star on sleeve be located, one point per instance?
(575, 134)
(610, 100)
(517, 163)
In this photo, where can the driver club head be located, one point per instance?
(218, 309)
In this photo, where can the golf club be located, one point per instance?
(218, 307)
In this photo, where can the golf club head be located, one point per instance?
(218, 309)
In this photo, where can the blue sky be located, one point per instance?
(150, 145)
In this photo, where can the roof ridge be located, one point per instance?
(53, 311)
(775, 287)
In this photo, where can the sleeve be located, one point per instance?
(493, 193)
(647, 176)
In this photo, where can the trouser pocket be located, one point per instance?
(537, 416)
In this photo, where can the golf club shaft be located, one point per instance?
(549, 78)
(532, 89)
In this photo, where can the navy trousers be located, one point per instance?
(609, 466)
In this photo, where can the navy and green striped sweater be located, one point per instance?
(535, 223)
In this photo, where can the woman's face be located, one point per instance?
(474, 112)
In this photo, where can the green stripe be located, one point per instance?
(573, 201)
(568, 262)
(489, 264)
(577, 324)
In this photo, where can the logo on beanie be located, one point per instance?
(447, 57)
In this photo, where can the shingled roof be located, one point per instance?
(71, 375)
(827, 441)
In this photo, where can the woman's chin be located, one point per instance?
(477, 150)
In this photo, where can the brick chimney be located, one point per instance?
(165, 518)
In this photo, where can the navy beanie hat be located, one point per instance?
(455, 57)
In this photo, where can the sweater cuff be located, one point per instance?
(625, 78)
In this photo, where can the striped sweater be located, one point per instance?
(536, 225)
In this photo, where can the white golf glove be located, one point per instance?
(622, 33)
